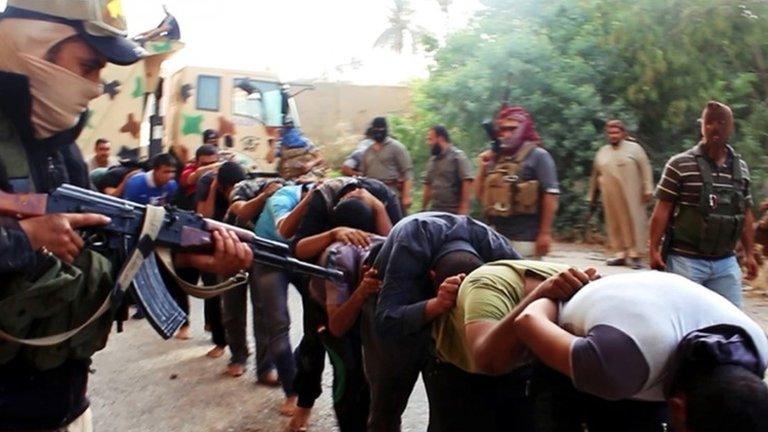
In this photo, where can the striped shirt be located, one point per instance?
(681, 181)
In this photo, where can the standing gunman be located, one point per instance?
(51, 56)
(703, 208)
(517, 184)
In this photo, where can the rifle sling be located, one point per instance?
(153, 221)
(199, 291)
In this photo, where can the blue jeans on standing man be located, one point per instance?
(272, 288)
(722, 276)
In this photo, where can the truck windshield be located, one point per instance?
(261, 100)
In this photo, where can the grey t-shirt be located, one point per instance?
(445, 174)
(631, 324)
(391, 163)
(538, 165)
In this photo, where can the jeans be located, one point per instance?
(272, 288)
(234, 316)
(722, 276)
(462, 401)
(392, 368)
(559, 407)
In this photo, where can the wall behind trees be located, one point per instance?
(576, 63)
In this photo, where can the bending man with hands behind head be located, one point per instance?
(477, 339)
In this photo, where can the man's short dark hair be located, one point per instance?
(209, 134)
(163, 159)
(725, 398)
(354, 213)
(206, 150)
(100, 141)
(453, 263)
(441, 132)
(230, 173)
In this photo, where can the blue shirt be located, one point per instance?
(141, 189)
(278, 205)
(406, 257)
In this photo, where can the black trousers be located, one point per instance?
(461, 401)
(559, 407)
(181, 298)
(310, 354)
(212, 313)
(351, 393)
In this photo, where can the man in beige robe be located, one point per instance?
(622, 174)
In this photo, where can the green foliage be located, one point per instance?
(576, 63)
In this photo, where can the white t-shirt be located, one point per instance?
(631, 324)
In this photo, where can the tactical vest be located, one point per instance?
(715, 225)
(61, 296)
(291, 161)
(504, 193)
(14, 158)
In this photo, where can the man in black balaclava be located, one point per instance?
(388, 160)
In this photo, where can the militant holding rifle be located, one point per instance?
(181, 230)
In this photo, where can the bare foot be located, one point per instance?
(235, 370)
(288, 408)
(183, 332)
(300, 420)
(269, 379)
(215, 352)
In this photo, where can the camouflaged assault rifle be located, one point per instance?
(127, 236)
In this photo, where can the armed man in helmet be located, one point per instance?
(51, 55)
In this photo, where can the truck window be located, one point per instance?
(246, 104)
(261, 100)
(208, 91)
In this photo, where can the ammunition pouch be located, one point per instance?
(505, 194)
(61, 298)
(714, 226)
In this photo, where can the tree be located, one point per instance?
(402, 31)
(652, 63)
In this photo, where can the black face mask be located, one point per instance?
(435, 149)
(379, 135)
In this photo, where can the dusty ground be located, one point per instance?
(144, 384)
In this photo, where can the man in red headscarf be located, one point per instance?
(517, 184)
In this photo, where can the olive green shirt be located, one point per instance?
(489, 293)
(391, 163)
(445, 174)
